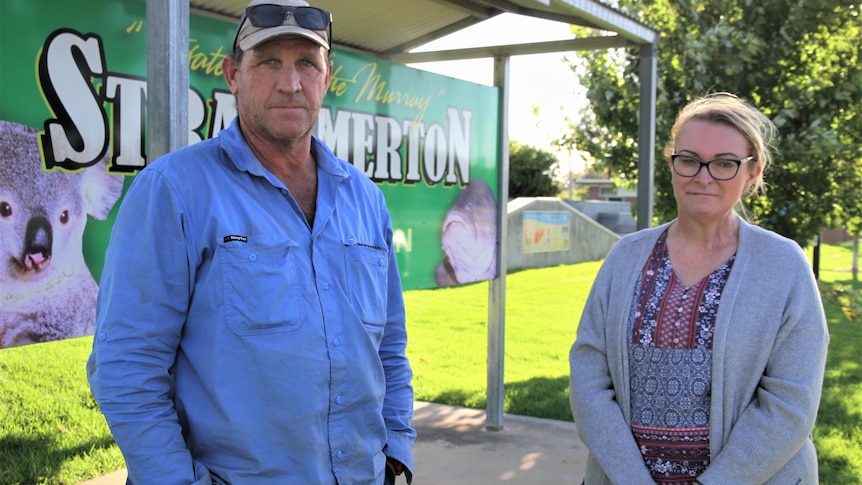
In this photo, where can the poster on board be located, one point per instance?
(546, 231)
(73, 135)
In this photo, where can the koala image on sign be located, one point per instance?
(46, 289)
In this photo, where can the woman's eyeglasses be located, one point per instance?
(720, 168)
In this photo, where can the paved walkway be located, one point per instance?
(453, 447)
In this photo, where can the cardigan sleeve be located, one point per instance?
(767, 427)
(596, 364)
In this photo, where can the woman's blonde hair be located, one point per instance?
(733, 111)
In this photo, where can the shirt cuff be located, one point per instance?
(400, 447)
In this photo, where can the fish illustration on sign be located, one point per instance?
(469, 237)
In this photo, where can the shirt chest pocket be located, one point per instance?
(366, 281)
(262, 287)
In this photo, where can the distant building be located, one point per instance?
(832, 236)
(607, 204)
(605, 189)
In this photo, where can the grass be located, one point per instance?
(52, 433)
(542, 311)
(838, 433)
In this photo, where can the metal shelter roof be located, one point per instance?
(391, 29)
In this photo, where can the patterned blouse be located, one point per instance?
(670, 358)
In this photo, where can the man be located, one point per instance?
(250, 322)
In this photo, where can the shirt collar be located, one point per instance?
(245, 160)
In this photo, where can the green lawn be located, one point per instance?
(838, 433)
(449, 337)
(52, 433)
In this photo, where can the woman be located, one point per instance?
(701, 349)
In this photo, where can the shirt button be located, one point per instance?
(340, 453)
(684, 297)
(350, 241)
(102, 337)
(679, 310)
(252, 257)
(380, 262)
(325, 286)
(676, 340)
(339, 400)
(336, 341)
(676, 324)
(283, 191)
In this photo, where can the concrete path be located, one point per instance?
(453, 447)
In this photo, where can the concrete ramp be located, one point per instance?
(545, 231)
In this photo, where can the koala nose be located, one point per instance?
(37, 243)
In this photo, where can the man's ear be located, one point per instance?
(328, 77)
(229, 69)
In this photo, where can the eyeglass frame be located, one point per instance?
(285, 9)
(738, 162)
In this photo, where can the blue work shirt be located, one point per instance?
(237, 344)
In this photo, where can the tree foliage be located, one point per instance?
(797, 60)
(532, 172)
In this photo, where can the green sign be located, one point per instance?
(73, 95)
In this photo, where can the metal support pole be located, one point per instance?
(167, 76)
(497, 286)
(646, 135)
(815, 258)
(855, 266)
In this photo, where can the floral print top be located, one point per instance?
(670, 357)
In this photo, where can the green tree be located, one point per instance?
(532, 172)
(797, 60)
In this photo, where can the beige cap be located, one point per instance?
(249, 36)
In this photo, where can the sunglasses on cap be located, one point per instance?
(270, 15)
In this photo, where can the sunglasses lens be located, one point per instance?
(266, 15)
(273, 15)
(311, 18)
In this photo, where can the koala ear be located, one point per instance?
(100, 189)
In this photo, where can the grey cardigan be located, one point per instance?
(769, 354)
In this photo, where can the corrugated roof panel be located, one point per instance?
(381, 25)
(229, 8)
(384, 27)
(611, 19)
